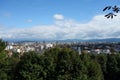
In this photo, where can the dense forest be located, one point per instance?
(59, 63)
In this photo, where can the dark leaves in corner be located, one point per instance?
(107, 8)
(114, 9)
(110, 15)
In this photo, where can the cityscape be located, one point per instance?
(59, 40)
(87, 47)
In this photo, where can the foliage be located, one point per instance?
(59, 63)
(2, 45)
(113, 10)
(93, 69)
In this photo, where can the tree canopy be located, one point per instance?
(60, 63)
(2, 45)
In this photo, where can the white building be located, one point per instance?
(49, 45)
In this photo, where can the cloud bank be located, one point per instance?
(97, 28)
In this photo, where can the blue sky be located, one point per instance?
(21, 15)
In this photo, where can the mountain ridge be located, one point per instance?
(67, 40)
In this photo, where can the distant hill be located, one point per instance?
(69, 40)
(94, 40)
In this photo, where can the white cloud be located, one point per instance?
(58, 17)
(29, 20)
(99, 27)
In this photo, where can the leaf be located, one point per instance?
(109, 7)
(111, 16)
(106, 15)
(115, 15)
(105, 8)
(116, 9)
(115, 6)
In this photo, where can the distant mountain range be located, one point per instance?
(94, 40)
(69, 40)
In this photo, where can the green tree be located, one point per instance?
(5, 66)
(66, 63)
(28, 68)
(102, 60)
(92, 69)
(57, 64)
(112, 68)
(3, 71)
(2, 45)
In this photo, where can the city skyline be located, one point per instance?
(57, 20)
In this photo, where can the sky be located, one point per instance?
(57, 19)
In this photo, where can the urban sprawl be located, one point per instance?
(80, 47)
